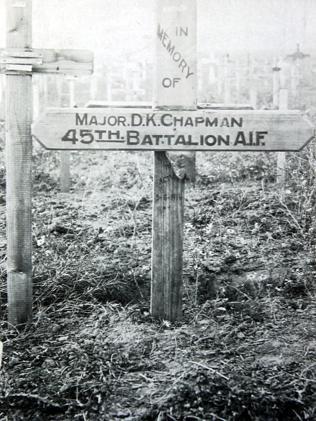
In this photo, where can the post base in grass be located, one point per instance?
(19, 298)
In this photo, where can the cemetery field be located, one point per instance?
(245, 349)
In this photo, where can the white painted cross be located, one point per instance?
(19, 61)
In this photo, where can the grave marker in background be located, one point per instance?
(281, 157)
(173, 125)
(276, 98)
(65, 178)
(64, 173)
(275, 86)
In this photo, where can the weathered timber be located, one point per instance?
(175, 88)
(65, 155)
(167, 241)
(173, 130)
(47, 60)
(18, 147)
(18, 61)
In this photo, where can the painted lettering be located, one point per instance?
(100, 135)
(132, 137)
(169, 138)
(175, 55)
(225, 122)
(180, 31)
(259, 138)
(93, 120)
(236, 122)
(223, 140)
(180, 140)
(81, 120)
(240, 139)
(166, 120)
(150, 119)
(160, 31)
(116, 134)
(147, 140)
(170, 48)
(157, 138)
(190, 141)
(121, 120)
(188, 122)
(211, 122)
(189, 73)
(136, 119)
(210, 140)
(182, 65)
(164, 39)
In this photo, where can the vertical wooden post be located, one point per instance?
(174, 89)
(281, 156)
(18, 168)
(294, 81)
(253, 92)
(44, 85)
(227, 81)
(276, 85)
(36, 99)
(167, 248)
(65, 171)
(65, 155)
(253, 97)
(109, 90)
(237, 81)
(93, 87)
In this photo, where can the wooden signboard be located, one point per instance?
(200, 130)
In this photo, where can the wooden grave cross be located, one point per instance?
(174, 124)
(18, 61)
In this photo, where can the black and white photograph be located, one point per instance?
(157, 210)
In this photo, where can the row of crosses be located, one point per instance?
(178, 125)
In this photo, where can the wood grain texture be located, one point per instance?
(210, 130)
(64, 62)
(18, 170)
(65, 171)
(176, 67)
(176, 28)
(167, 241)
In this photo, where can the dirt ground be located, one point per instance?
(245, 349)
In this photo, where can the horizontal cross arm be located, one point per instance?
(73, 62)
(146, 129)
(146, 104)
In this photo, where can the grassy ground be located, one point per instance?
(245, 349)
